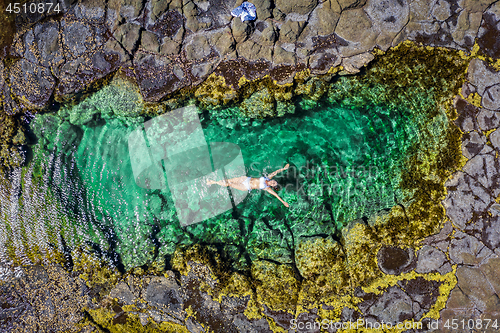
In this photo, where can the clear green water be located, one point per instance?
(346, 162)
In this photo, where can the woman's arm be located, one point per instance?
(271, 175)
(270, 190)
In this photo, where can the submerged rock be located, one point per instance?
(261, 103)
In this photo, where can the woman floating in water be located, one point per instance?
(245, 183)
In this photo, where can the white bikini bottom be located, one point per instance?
(246, 182)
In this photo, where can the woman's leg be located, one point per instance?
(236, 183)
(220, 182)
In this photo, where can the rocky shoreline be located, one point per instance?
(171, 45)
(197, 49)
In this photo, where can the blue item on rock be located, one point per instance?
(246, 11)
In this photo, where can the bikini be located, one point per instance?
(246, 182)
(262, 183)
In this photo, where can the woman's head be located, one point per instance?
(272, 183)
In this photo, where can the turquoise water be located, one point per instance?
(346, 163)
(341, 155)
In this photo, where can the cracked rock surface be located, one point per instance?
(169, 45)
(471, 237)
